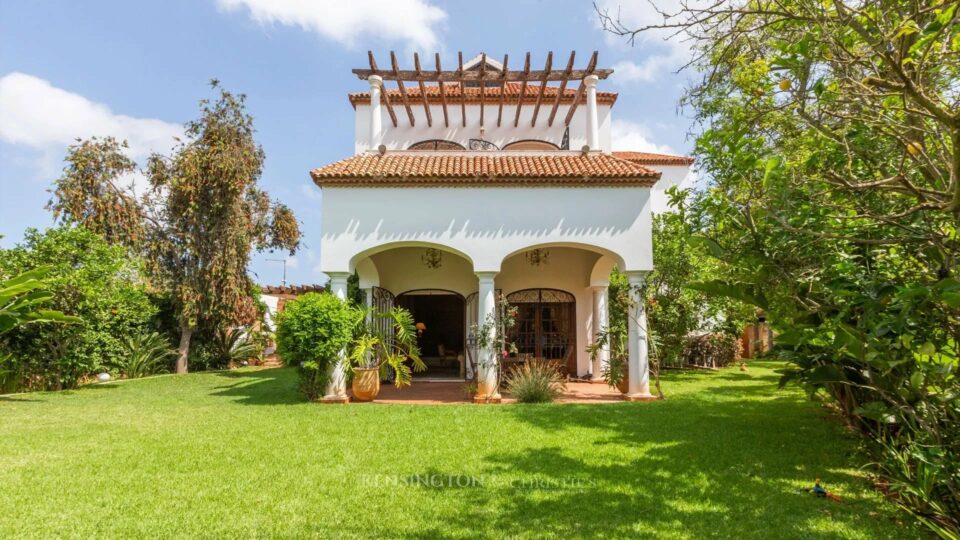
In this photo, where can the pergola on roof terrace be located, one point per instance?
(485, 74)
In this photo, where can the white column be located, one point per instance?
(601, 321)
(639, 369)
(376, 128)
(593, 123)
(337, 388)
(486, 357)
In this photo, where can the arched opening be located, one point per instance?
(436, 144)
(545, 326)
(440, 316)
(531, 144)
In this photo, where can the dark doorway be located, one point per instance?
(442, 340)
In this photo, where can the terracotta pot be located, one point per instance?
(366, 383)
(624, 385)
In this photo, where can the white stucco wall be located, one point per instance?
(486, 225)
(402, 136)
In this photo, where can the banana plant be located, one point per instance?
(20, 298)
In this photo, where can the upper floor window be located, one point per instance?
(531, 145)
(436, 144)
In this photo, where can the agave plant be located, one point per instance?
(388, 345)
(146, 354)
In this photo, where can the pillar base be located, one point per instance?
(597, 380)
(495, 398)
(335, 400)
(640, 397)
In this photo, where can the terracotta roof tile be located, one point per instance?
(402, 168)
(647, 158)
(472, 94)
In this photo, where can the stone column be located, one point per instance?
(337, 388)
(601, 322)
(487, 361)
(593, 122)
(639, 368)
(376, 128)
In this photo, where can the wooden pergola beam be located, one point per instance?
(523, 90)
(543, 87)
(490, 76)
(459, 77)
(563, 86)
(591, 66)
(403, 91)
(443, 92)
(383, 91)
(483, 77)
(423, 90)
(503, 89)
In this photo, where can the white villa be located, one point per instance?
(488, 180)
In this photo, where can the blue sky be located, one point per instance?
(136, 70)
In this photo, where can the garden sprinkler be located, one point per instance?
(820, 491)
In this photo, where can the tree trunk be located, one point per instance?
(184, 349)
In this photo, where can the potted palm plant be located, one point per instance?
(377, 348)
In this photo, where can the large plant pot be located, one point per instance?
(624, 385)
(366, 383)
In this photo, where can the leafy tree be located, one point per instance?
(680, 259)
(197, 224)
(95, 283)
(830, 131)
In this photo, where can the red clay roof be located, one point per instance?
(647, 158)
(471, 94)
(404, 168)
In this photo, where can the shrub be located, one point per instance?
(312, 330)
(89, 279)
(146, 354)
(537, 381)
(718, 349)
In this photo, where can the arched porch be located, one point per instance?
(558, 325)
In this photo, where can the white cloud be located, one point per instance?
(412, 21)
(40, 116)
(651, 69)
(627, 135)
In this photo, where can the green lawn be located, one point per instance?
(238, 454)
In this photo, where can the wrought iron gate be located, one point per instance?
(382, 302)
